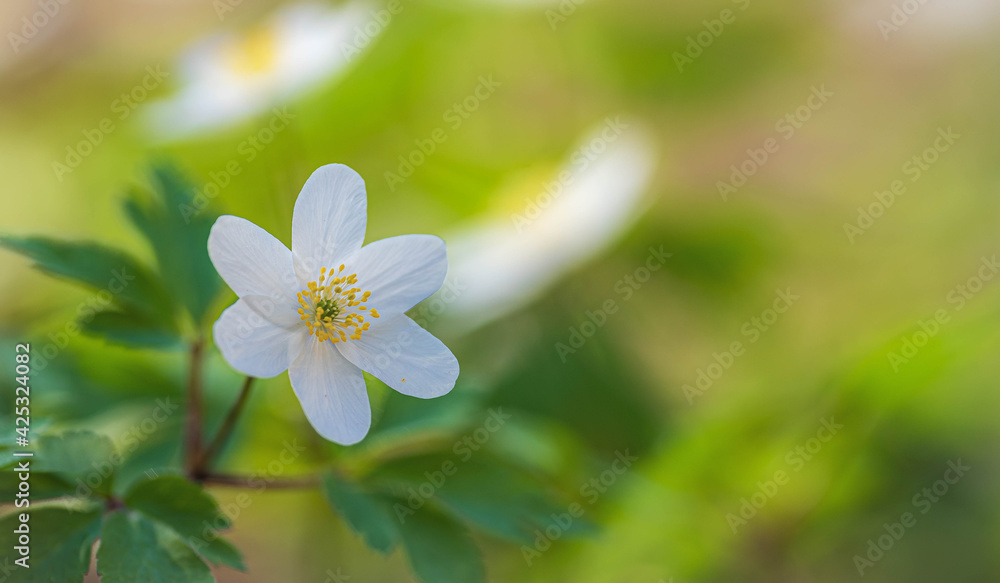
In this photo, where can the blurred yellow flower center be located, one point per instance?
(522, 190)
(333, 308)
(255, 53)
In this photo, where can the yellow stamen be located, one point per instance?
(331, 310)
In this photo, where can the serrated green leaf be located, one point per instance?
(134, 549)
(182, 505)
(192, 514)
(97, 267)
(61, 542)
(440, 550)
(177, 231)
(221, 552)
(366, 514)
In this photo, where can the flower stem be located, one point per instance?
(225, 430)
(256, 483)
(192, 431)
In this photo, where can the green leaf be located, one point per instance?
(177, 503)
(8, 443)
(135, 549)
(440, 550)
(61, 542)
(221, 552)
(367, 515)
(73, 452)
(132, 328)
(177, 230)
(81, 456)
(187, 509)
(502, 500)
(97, 267)
(44, 485)
(405, 419)
(604, 419)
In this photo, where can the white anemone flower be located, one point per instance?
(329, 308)
(500, 263)
(231, 77)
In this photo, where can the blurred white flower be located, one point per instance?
(918, 20)
(960, 16)
(499, 264)
(230, 77)
(330, 308)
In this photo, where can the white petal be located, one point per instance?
(250, 259)
(282, 312)
(329, 219)
(404, 356)
(332, 393)
(400, 271)
(252, 345)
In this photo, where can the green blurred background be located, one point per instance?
(563, 68)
